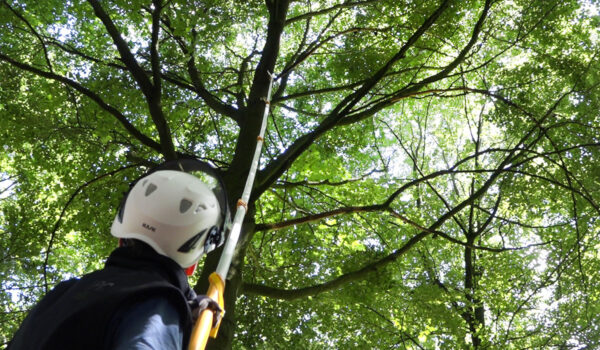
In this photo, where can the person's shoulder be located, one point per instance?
(66, 283)
(60, 289)
(153, 321)
(157, 304)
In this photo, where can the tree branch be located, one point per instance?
(412, 89)
(126, 56)
(327, 182)
(315, 46)
(35, 33)
(256, 289)
(62, 214)
(327, 10)
(151, 91)
(266, 65)
(76, 52)
(277, 100)
(253, 113)
(514, 154)
(315, 217)
(197, 85)
(92, 95)
(276, 168)
(154, 56)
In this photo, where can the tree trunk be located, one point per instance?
(475, 313)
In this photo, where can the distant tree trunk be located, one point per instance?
(475, 313)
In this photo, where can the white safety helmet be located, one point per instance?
(175, 213)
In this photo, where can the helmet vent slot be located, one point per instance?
(151, 188)
(184, 205)
(191, 243)
(200, 206)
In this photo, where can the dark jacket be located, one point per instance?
(80, 313)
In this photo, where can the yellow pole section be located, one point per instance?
(204, 325)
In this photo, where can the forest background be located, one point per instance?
(430, 177)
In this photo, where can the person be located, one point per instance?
(141, 299)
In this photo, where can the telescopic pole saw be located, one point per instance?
(203, 327)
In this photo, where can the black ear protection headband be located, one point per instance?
(215, 237)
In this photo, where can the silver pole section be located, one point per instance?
(234, 235)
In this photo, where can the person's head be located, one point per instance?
(176, 213)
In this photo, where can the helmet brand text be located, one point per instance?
(148, 227)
